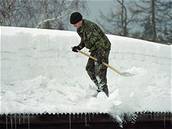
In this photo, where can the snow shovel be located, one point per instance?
(126, 74)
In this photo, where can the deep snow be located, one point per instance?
(40, 73)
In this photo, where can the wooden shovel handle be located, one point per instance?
(107, 65)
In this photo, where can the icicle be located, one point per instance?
(70, 123)
(89, 117)
(23, 118)
(164, 123)
(85, 119)
(28, 118)
(15, 123)
(119, 120)
(6, 122)
(19, 119)
(11, 121)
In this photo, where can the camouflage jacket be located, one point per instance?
(92, 37)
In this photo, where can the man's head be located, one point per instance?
(76, 19)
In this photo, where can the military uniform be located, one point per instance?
(94, 39)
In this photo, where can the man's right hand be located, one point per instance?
(75, 49)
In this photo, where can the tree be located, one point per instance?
(7, 7)
(164, 21)
(154, 16)
(146, 10)
(50, 14)
(58, 12)
(123, 17)
(119, 19)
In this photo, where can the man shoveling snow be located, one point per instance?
(94, 39)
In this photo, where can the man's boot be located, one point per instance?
(105, 90)
(96, 83)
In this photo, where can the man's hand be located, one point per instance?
(75, 49)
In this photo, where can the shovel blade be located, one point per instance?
(127, 74)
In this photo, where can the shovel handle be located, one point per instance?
(107, 65)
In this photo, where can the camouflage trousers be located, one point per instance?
(97, 72)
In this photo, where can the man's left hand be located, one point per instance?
(75, 49)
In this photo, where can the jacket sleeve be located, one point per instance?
(81, 45)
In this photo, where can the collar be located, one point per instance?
(82, 27)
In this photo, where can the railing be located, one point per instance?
(142, 120)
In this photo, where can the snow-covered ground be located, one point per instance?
(40, 73)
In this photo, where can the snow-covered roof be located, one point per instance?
(40, 73)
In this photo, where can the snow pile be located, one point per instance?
(40, 73)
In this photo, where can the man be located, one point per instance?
(94, 39)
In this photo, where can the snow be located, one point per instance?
(40, 73)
